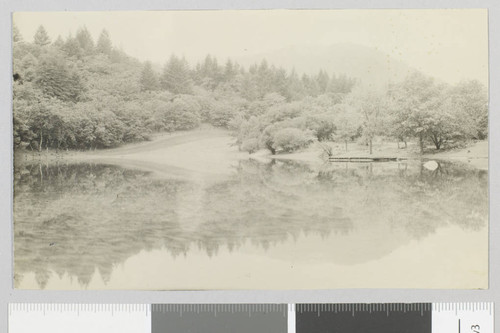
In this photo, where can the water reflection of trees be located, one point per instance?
(406, 195)
(419, 199)
(74, 218)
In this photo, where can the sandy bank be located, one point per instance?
(198, 153)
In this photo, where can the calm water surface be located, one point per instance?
(265, 225)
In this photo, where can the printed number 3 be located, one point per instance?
(475, 328)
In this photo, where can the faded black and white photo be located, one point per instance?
(250, 149)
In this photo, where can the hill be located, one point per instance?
(367, 64)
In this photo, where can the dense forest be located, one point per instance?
(77, 93)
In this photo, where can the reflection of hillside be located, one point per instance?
(74, 218)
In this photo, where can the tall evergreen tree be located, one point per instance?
(16, 35)
(59, 42)
(41, 37)
(322, 81)
(104, 44)
(230, 70)
(176, 77)
(84, 39)
(210, 67)
(310, 85)
(341, 84)
(295, 87)
(264, 78)
(148, 80)
(210, 73)
(72, 47)
(280, 83)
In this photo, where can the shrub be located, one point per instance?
(250, 145)
(291, 139)
(322, 126)
(222, 114)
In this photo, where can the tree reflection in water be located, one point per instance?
(74, 218)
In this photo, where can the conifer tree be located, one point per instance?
(229, 70)
(322, 81)
(176, 77)
(72, 47)
(148, 80)
(41, 37)
(59, 42)
(16, 35)
(84, 39)
(104, 44)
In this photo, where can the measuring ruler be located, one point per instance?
(252, 318)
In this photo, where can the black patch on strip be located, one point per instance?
(364, 318)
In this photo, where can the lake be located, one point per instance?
(263, 224)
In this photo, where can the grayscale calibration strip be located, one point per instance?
(252, 318)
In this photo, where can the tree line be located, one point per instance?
(75, 93)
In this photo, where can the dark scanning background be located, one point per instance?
(364, 318)
(220, 318)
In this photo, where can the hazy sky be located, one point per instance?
(448, 44)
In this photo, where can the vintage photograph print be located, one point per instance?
(250, 149)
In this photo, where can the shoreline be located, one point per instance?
(474, 154)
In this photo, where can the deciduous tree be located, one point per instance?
(414, 101)
(372, 109)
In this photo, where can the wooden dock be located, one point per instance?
(363, 159)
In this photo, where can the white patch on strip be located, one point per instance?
(291, 318)
(462, 317)
(79, 318)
